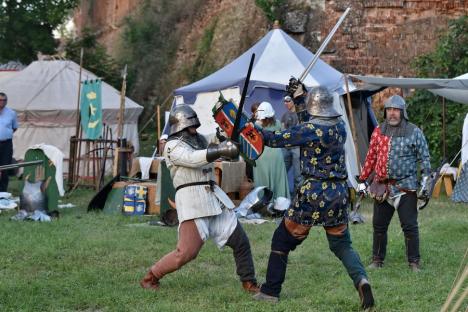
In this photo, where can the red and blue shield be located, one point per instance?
(250, 139)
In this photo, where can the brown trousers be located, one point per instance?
(301, 232)
(188, 246)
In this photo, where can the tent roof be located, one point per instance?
(7, 74)
(453, 89)
(276, 48)
(12, 66)
(53, 85)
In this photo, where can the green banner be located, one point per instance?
(91, 109)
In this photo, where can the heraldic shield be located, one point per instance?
(250, 139)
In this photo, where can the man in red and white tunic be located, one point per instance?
(396, 148)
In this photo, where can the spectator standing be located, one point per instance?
(270, 170)
(8, 125)
(291, 154)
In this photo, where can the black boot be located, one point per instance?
(239, 242)
(412, 247)
(379, 249)
(276, 274)
(365, 294)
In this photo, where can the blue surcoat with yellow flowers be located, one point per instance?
(322, 198)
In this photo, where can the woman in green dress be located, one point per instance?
(270, 170)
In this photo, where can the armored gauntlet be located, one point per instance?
(423, 192)
(295, 88)
(227, 149)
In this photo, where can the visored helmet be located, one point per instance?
(182, 117)
(320, 103)
(396, 101)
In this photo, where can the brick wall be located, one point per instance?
(105, 17)
(382, 37)
(379, 37)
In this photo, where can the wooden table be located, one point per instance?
(229, 175)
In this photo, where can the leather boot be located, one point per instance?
(365, 294)
(150, 281)
(376, 263)
(251, 286)
(414, 266)
(264, 297)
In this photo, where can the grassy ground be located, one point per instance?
(93, 262)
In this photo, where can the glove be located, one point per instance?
(295, 88)
(423, 192)
(220, 135)
(362, 188)
(227, 149)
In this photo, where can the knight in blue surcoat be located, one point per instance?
(321, 199)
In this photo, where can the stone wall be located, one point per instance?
(105, 17)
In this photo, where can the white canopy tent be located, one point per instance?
(44, 95)
(455, 89)
(7, 74)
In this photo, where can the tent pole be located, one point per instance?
(79, 95)
(154, 114)
(444, 142)
(122, 103)
(157, 150)
(353, 125)
(118, 155)
(72, 158)
(158, 114)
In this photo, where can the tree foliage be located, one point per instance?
(448, 60)
(26, 27)
(202, 66)
(270, 8)
(149, 46)
(95, 58)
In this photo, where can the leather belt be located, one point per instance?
(211, 183)
(401, 189)
(309, 177)
(301, 214)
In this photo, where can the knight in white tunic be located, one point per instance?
(203, 209)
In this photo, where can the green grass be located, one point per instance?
(93, 262)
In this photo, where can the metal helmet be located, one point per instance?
(182, 117)
(396, 101)
(257, 200)
(320, 103)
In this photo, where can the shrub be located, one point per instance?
(270, 8)
(449, 59)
